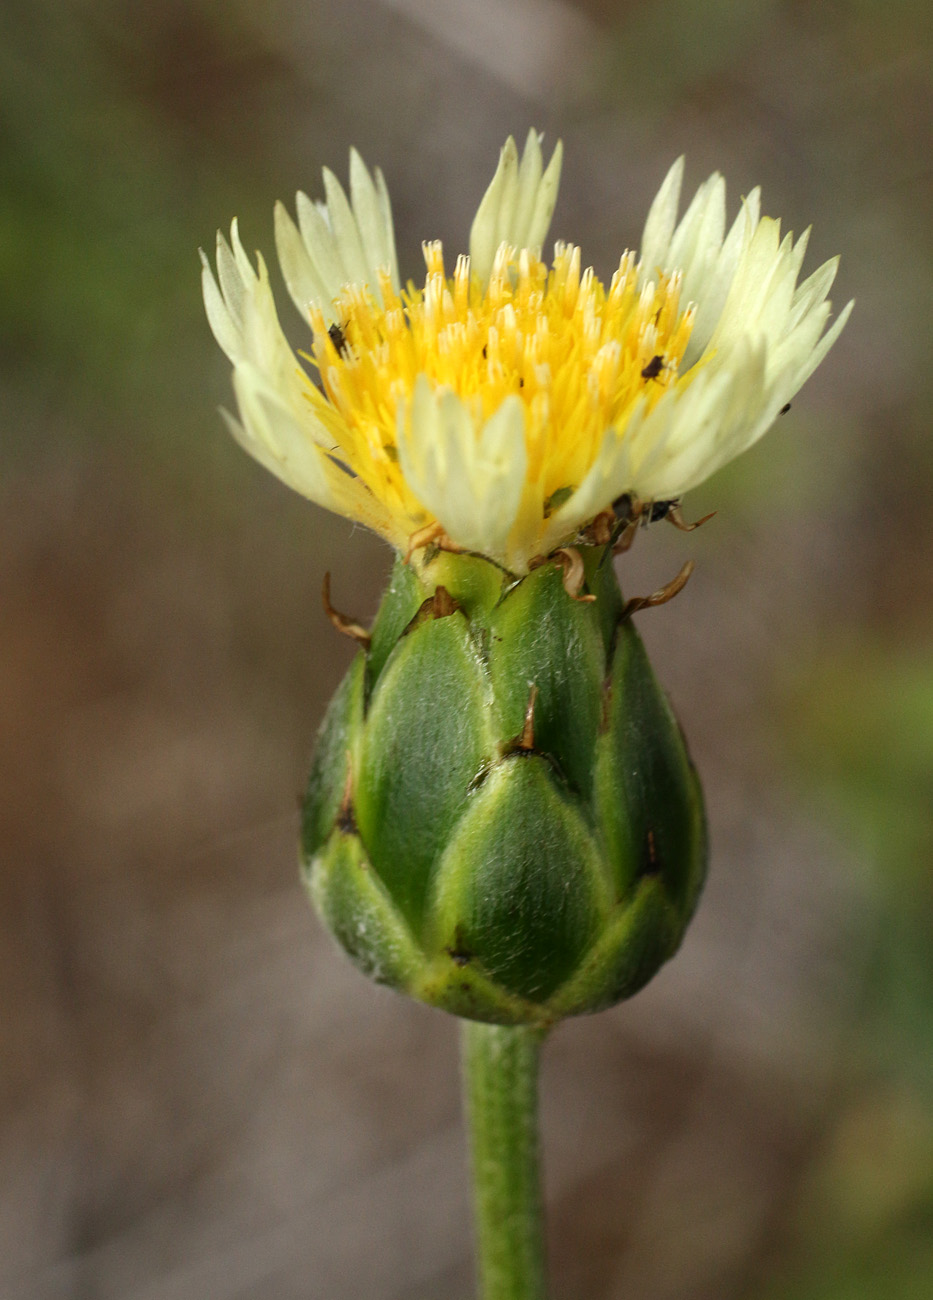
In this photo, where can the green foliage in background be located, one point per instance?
(861, 728)
(124, 130)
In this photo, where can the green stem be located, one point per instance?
(500, 1079)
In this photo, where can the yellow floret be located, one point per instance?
(577, 355)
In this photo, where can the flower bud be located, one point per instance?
(502, 819)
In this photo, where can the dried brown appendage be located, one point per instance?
(674, 517)
(524, 742)
(613, 529)
(617, 526)
(624, 539)
(431, 535)
(348, 626)
(662, 596)
(574, 573)
(651, 862)
(346, 818)
(439, 605)
(601, 529)
(443, 603)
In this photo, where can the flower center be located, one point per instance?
(577, 354)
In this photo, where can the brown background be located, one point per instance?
(198, 1096)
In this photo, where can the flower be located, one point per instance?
(502, 408)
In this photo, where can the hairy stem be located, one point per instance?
(500, 1079)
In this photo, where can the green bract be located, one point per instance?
(502, 819)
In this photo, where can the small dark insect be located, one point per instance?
(485, 352)
(624, 508)
(784, 409)
(659, 510)
(339, 339)
(627, 508)
(653, 368)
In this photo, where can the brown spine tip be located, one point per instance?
(602, 528)
(346, 819)
(440, 605)
(662, 596)
(571, 561)
(443, 603)
(624, 541)
(526, 740)
(674, 517)
(651, 860)
(347, 626)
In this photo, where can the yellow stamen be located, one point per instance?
(578, 355)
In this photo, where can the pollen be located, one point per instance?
(578, 354)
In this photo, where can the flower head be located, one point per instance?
(505, 405)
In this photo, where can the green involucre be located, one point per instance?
(502, 818)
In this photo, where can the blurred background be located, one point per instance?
(198, 1096)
